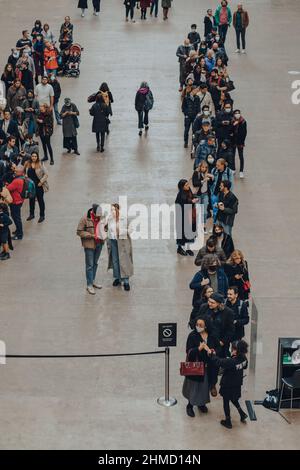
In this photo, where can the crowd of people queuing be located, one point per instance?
(30, 95)
(221, 287)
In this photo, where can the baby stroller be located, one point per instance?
(3, 101)
(72, 66)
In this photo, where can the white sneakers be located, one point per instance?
(243, 51)
(238, 50)
(97, 286)
(242, 175)
(82, 15)
(91, 290)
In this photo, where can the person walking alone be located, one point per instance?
(100, 113)
(143, 104)
(129, 9)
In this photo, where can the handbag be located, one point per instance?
(230, 86)
(76, 121)
(246, 285)
(192, 368)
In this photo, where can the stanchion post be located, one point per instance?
(167, 400)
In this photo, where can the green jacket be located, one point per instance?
(217, 15)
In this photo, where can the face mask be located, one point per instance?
(237, 116)
(16, 55)
(52, 79)
(199, 329)
(227, 110)
(206, 113)
(219, 234)
(210, 159)
(217, 38)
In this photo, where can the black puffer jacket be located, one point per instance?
(191, 106)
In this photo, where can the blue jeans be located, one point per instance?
(56, 112)
(91, 263)
(154, 4)
(116, 262)
(227, 228)
(214, 200)
(204, 200)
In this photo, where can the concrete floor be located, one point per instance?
(111, 403)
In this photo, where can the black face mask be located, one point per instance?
(218, 234)
(212, 269)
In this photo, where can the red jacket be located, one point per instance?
(15, 188)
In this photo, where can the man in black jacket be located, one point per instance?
(227, 207)
(224, 125)
(239, 137)
(190, 108)
(194, 37)
(240, 311)
(9, 126)
(219, 320)
(209, 22)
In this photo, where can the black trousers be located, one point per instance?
(46, 142)
(188, 122)
(223, 28)
(15, 210)
(143, 119)
(130, 9)
(40, 199)
(154, 5)
(241, 157)
(241, 33)
(226, 406)
(143, 13)
(100, 138)
(96, 5)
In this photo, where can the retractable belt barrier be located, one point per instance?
(164, 401)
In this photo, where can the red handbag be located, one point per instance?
(192, 368)
(246, 285)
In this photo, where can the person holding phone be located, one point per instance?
(201, 180)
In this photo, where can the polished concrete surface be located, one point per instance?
(111, 403)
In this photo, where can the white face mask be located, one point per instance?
(237, 116)
(217, 38)
(206, 113)
(199, 329)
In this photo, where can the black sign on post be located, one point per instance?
(167, 335)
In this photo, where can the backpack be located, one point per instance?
(28, 191)
(272, 400)
(149, 101)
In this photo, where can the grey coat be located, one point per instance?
(125, 256)
(166, 3)
(69, 129)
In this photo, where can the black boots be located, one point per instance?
(243, 415)
(226, 423)
(181, 251)
(190, 411)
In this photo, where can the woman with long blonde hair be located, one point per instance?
(238, 275)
